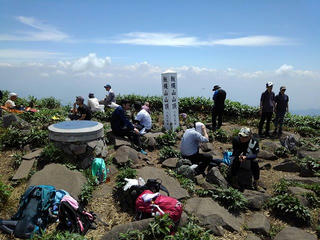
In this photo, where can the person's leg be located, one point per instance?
(219, 119)
(281, 118)
(276, 122)
(73, 116)
(235, 167)
(214, 118)
(255, 170)
(268, 116)
(262, 119)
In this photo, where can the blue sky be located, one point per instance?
(237, 44)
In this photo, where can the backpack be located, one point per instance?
(33, 212)
(227, 157)
(159, 205)
(99, 170)
(73, 217)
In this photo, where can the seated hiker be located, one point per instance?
(142, 120)
(10, 103)
(93, 104)
(245, 147)
(82, 112)
(146, 106)
(121, 126)
(190, 147)
(110, 99)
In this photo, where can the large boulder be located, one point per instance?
(299, 193)
(264, 154)
(170, 183)
(150, 140)
(313, 154)
(215, 177)
(60, 177)
(293, 233)
(269, 145)
(306, 180)
(256, 199)
(212, 215)
(170, 162)
(12, 119)
(123, 228)
(124, 155)
(207, 147)
(252, 237)
(287, 166)
(259, 224)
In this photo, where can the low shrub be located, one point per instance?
(313, 200)
(221, 135)
(49, 102)
(5, 193)
(87, 189)
(281, 152)
(311, 164)
(51, 154)
(186, 183)
(289, 209)
(167, 139)
(59, 236)
(125, 172)
(17, 159)
(168, 152)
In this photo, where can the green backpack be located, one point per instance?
(99, 170)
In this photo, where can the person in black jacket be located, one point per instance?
(281, 107)
(83, 112)
(245, 147)
(219, 96)
(267, 104)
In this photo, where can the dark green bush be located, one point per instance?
(221, 135)
(311, 164)
(51, 154)
(59, 236)
(125, 172)
(49, 102)
(289, 209)
(281, 152)
(167, 139)
(168, 152)
(5, 193)
(87, 189)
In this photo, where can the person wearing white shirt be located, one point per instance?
(93, 104)
(10, 102)
(142, 119)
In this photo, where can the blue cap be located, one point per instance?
(108, 85)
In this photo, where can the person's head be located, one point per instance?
(125, 104)
(13, 96)
(107, 87)
(137, 106)
(91, 95)
(216, 87)
(79, 100)
(283, 89)
(198, 126)
(146, 104)
(269, 86)
(245, 134)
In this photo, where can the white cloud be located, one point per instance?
(90, 61)
(179, 40)
(284, 69)
(41, 32)
(26, 54)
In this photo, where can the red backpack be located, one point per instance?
(160, 205)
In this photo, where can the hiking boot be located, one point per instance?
(143, 152)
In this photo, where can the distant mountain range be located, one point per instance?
(311, 112)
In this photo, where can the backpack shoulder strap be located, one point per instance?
(163, 188)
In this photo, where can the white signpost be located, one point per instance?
(170, 100)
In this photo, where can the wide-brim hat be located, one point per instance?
(215, 87)
(245, 132)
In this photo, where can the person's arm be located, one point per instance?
(74, 110)
(274, 102)
(204, 130)
(255, 151)
(125, 120)
(288, 105)
(261, 102)
(235, 148)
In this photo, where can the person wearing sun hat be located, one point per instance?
(245, 148)
(281, 107)
(267, 104)
(10, 103)
(219, 97)
(110, 99)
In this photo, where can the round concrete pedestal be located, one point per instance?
(81, 140)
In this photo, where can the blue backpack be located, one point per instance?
(227, 157)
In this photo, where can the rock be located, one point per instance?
(86, 162)
(150, 141)
(309, 180)
(267, 155)
(92, 144)
(113, 170)
(123, 228)
(215, 177)
(186, 171)
(170, 162)
(180, 135)
(259, 224)
(183, 162)
(287, 166)
(295, 135)
(255, 199)
(293, 233)
(60, 177)
(124, 154)
(183, 220)
(207, 147)
(121, 142)
(32, 155)
(24, 169)
(299, 193)
(313, 154)
(252, 237)
(266, 166)
(27, 148)
(9, 119)
(154, 135)
(78, 149)
(170, 183)
(212, 215)
(269, 145)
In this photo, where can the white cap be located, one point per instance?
(269, 84)
(245, 132)
(12, 94)
(198, 127)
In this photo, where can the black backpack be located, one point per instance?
(73, 217)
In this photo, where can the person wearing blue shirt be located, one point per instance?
(121, 126)
(219, 97)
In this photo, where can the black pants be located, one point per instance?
(216, 113)
(134, 138)
(74, 116)
(254, 168)
(265, 116)
(278, 121)
(203, 160)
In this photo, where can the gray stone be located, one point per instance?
(309, 180)
(8, 120)
(183, 162)
(92, 144)
(121, 142)
(186, 171)
(293, 233)
(313, 154)
(154, 135)
(295, 135)
(104, 152)
(124, 154)
(287, 166)
(170, 183)
(270, 145)
(183, 220)
(123, 228)
(34, 154)
(215, 177)
(113, 170)
(170, 162)
(27, 148)
(298, 190)
(207, 147)
(252, 237)
(24, 169)
(150, 141)
(60, 177)
(86, 161)
(212, 215)
(267, 155)
(78, 149)
(259, 224)
(255, 199)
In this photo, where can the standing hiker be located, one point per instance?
(266, 109)
(281, 107)
(219, 97)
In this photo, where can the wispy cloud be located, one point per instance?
(12, 54)
(40, 32)
(180, 40)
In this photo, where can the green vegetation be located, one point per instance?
(87, 189)
(281, 152)
(59, 236)
(167, 139)
(221, 135)
(168, 152)
(5, 193)
(310, 164)
(125, 172)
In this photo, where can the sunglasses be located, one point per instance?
(283, 90)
